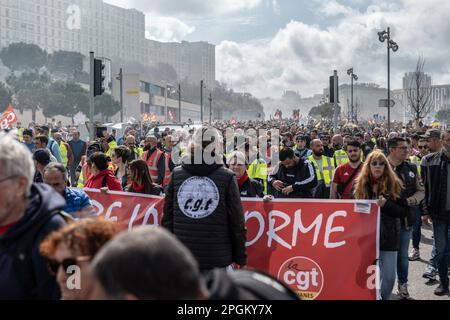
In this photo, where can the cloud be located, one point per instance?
(302, 56)
(276, 7)
(166, 29)
(190, 7)
(333, 8)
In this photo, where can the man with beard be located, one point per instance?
(293, 177)
(324, 169)
(346, 173)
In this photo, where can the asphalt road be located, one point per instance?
(419, 287)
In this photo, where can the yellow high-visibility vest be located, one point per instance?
(63, 151)
(20, 134)
(416, 160)
(340, 157)
(325, 173)
(258, 170)
(112, 145)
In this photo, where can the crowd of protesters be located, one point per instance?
(47, 223)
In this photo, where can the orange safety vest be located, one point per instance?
(152, 163)
(167, 172)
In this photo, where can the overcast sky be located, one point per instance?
(267, 46)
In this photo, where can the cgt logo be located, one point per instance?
(303, 275)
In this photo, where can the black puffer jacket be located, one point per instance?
(203, 209)
(434, 176)
(252, 189)
(246, 285)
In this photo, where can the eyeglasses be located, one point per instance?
(54, 265)
(378, 164)
(8, 178)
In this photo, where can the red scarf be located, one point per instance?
(5, 229)
(243, 179)
(137, 188)
(374, 181)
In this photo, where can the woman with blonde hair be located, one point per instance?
(379, 182)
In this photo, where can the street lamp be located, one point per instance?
(391, 44)
(120, 78)
(353, 77)
(179, 103)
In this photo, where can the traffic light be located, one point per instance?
(332, 93)
(99, 77)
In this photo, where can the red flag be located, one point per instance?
(8, 118)
(145, 117)
(153, 117)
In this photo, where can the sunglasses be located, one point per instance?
(54, 265)
(378, 164)
(423, 147)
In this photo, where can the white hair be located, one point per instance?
(15, 158)
(206, 144)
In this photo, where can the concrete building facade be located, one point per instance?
(110, 31)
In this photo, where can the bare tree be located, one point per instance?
(419, 92)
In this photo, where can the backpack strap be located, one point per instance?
(344, 186)
(105, 182)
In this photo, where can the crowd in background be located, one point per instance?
(405, 170)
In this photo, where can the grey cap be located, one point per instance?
(433, 133)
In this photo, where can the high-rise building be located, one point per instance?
(439, 95)
(194, 61)
(111, 32)
(411, 78)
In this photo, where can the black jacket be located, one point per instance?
(367, 148)
(329, 152)
(13, 281)
(434, 176)
(246, 285)
(407, 173)
(204, 210)
(391, 214)
(302, 177)
(252, 189)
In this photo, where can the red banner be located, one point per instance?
(323, 249)
(8, 118)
